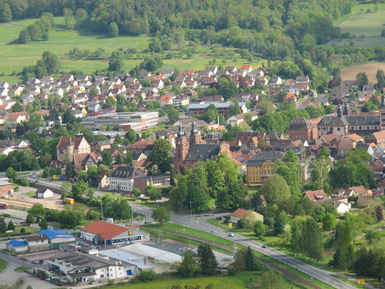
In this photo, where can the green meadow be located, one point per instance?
(15, 56)
(240, 280)
(365, 24)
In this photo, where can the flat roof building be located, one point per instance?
(137, 121)
(101, 232)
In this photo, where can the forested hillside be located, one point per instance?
(271, 28)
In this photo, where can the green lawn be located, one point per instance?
(364, 27)
(22, 268)
(209, 237)
(15, 56)
(196, 233)
(241, 280)
(3, 265)
(31, 194)
(276, 243)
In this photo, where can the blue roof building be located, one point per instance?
(57, 237)
(17, 246)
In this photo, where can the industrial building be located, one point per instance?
(104, 233)
(138, 121)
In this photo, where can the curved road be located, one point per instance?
(202, 225)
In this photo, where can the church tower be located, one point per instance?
(182, 145)
(346, 109)
(340, 112)
(195, 136)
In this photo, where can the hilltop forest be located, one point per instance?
(271, 28)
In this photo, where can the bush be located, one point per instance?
(93, 215)
(147, 276)
(22, 230)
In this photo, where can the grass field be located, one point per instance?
(3, 265)
(364, 24)
(209, 237)
(196, 233)
(15, 56)
(241, 280)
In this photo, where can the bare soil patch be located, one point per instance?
(350, 73)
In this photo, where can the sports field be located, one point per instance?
(364, 24)
(15, 56)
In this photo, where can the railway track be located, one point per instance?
(274, 267)
(289, 274)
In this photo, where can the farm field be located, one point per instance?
(15, 56)
(364, 24)
(370, 69)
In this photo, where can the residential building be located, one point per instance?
(240, 118)
(37, 243)
(85, 268)
(302, 129)
(314, 196)
(16, 117)
(44, 193)
(5, 187)
(261, 166)
(105, 233)
(122, 178)
(222, 107)
(68, 146)
(239, 214)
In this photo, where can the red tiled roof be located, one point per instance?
(239, 213)
(64, 141)
(316, 195)
(15, 115)
(105, 230)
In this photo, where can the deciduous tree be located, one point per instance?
(161, 215)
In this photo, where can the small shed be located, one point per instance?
(44, 194)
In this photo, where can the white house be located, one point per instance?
(343, 208)
(85, 268)
(44, 194)
(122, 178)
(240, 118)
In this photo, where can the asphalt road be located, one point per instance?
(201, 224)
